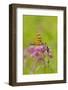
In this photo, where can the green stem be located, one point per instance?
(48, 64)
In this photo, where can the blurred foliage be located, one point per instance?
(47, 26)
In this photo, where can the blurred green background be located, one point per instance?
(47, 26)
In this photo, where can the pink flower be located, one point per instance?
(39, 52)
